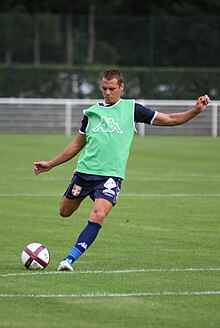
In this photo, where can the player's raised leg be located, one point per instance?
(69, 206)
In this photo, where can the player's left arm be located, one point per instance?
(68, 153)
(182, 117)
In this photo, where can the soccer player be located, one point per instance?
(105, 138)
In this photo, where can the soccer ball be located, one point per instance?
(35, 256)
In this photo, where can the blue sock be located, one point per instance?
(85, 239)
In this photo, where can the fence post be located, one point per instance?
(68, 119)
(214, 120)
(9, 55)
(141, 129)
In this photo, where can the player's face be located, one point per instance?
(111, 90)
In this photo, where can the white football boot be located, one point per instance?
(64, 266)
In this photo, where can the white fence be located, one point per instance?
(27, 115)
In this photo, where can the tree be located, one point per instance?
(115, 7)
(91, 34)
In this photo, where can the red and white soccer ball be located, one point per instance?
(35, 256)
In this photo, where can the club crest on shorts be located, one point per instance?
(76, 190)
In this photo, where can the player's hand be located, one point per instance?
(40, 167)
(202, 102)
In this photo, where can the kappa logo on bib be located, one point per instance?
(107, 125)
(76, 190)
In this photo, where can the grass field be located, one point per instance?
(156, 261)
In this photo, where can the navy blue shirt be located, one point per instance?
(141, 114)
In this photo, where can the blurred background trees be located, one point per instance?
(151, 39)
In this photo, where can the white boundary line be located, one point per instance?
(132, 177)
(29, 273)
(169, 195)
(121, 195)
(165, 293)
(98, 295)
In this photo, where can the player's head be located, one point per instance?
(112, 84)
(113, 74)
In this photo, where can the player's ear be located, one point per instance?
(122, 86)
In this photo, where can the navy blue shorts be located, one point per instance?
(83, 185)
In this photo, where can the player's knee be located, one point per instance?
(68, 207)
(66, 212)
(98, 216)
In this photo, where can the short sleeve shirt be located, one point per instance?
(142, 114)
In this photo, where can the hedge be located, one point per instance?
(59, 81)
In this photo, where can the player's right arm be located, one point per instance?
(69, 152)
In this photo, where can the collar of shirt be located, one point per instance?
(105, 105)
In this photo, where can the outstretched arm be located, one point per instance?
(182, 117)
(69, 152)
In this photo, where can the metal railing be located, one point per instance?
(24, 115)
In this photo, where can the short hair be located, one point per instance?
(113, 74)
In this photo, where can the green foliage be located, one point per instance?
(116, 7)
(164, 229)
(162, 56)
(61, 81)
(127, 41)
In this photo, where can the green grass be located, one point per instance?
(163, 236)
